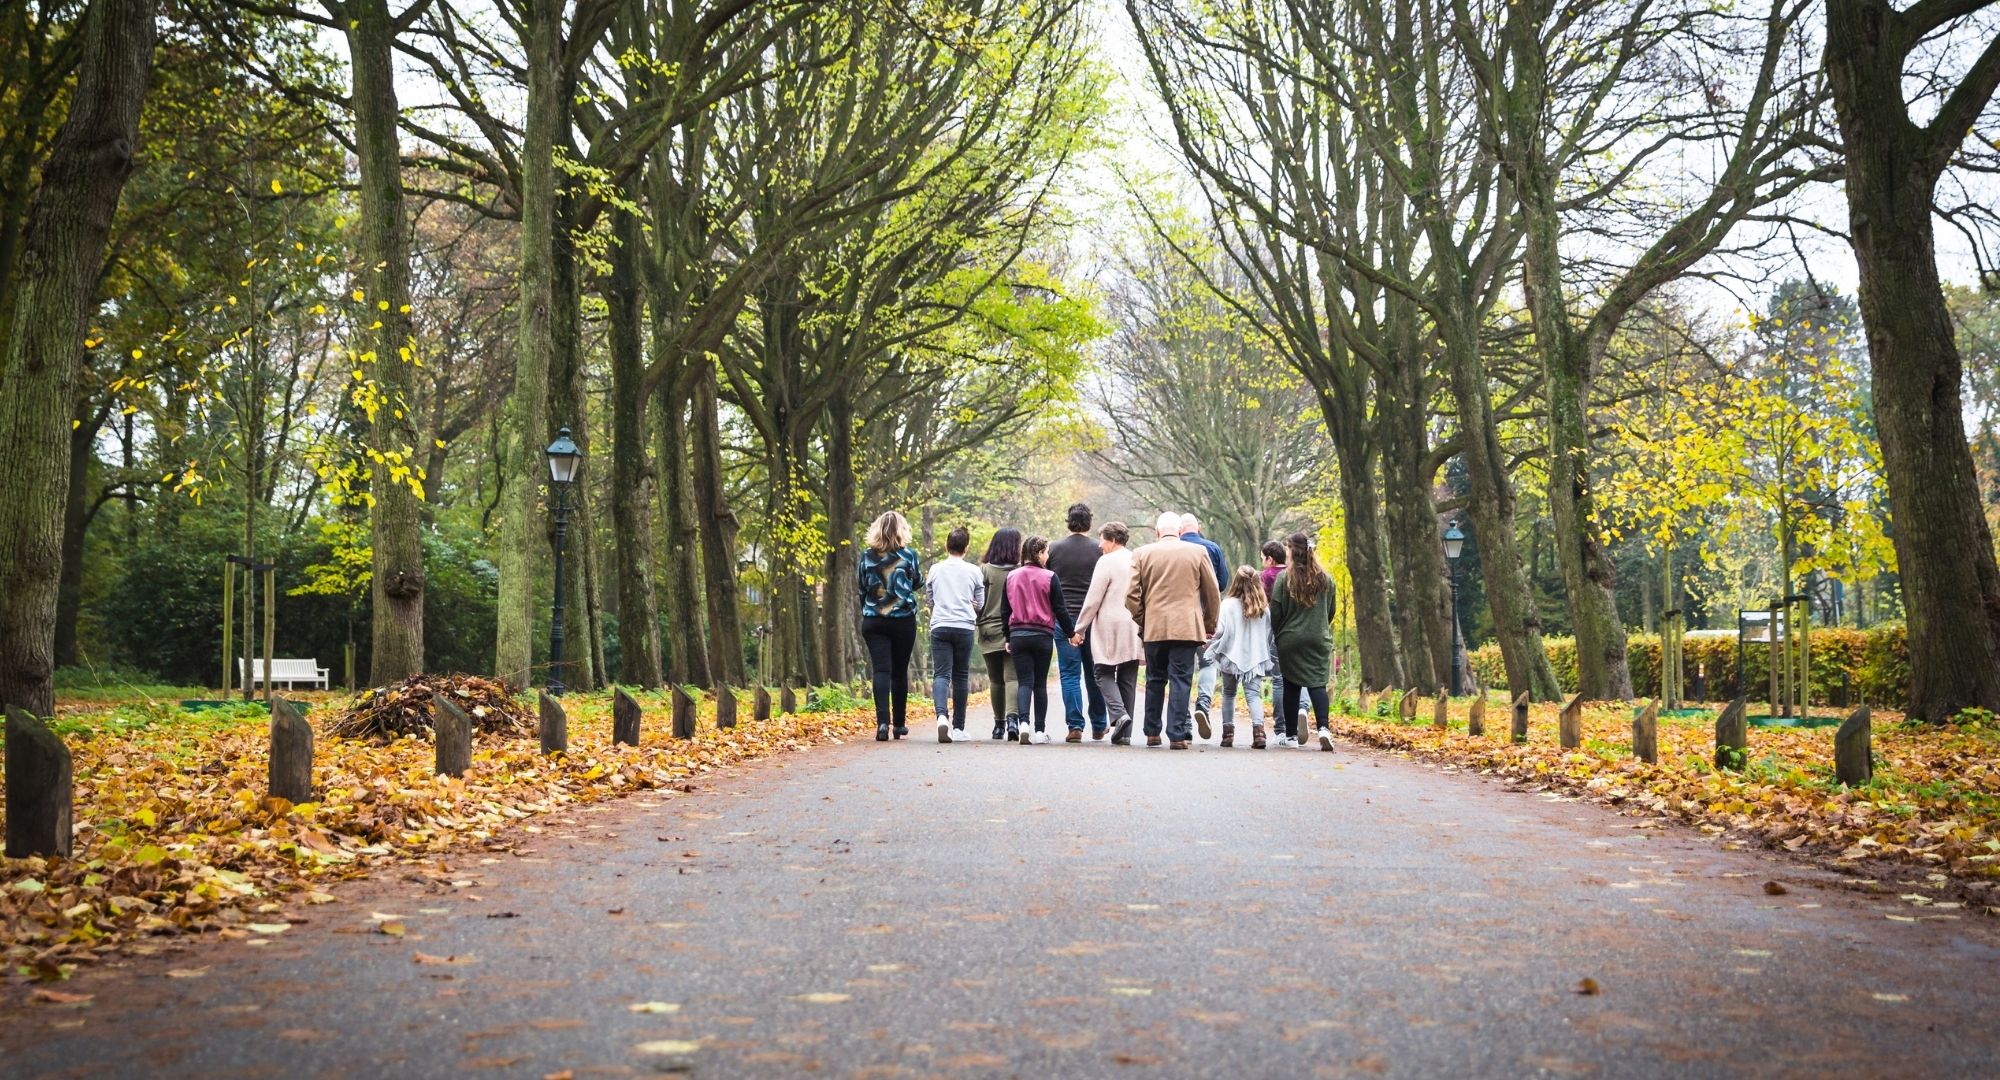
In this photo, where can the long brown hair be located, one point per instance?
(1247, 586)
(1303, 577)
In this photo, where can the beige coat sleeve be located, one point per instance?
(1211, 604)
(1135, 596)
(1100, 583)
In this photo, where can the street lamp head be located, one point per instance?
(564, 457)
(1454, 541)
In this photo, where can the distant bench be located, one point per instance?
(289, 672)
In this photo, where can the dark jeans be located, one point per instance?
(951, 665)
(1081, 697)
(1032, 652)
(1288, 717)
(1170, 664)
(1118, 684)
(997, 663)
(890, 642)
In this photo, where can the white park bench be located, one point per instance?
(289, 672)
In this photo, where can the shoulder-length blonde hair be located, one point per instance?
(890, 532)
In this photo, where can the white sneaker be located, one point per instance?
(959, 734)
(1325, 739)
(1291, 742)
(944, 728)
(1039, 737)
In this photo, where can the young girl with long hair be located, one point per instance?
(890, 576)
(1003, 554)
(1241, 649)
(1033, 612)
(1302, 627)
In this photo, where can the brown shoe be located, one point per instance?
(1178, 744)
(1229, 734)
(1257, 737)
(1073, 736)
(1152, 740)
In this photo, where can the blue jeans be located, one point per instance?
(951, 666)
(1080, 692)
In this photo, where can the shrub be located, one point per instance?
(1874, 663)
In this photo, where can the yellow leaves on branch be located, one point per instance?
(175, 834)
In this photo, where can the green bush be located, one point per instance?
(1874, 662)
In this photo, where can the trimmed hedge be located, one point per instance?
(1875, 663)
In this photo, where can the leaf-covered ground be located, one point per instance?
(175, 834)
(1932, 809)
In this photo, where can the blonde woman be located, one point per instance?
(890, 578)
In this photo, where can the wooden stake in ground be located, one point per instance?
(683, 713)
(1440, 713)
(1854, 749)
(555, 726)
(453, 730)
(1407, 708)
(1475, 718)
(291, 753)
(788, 701)
(1520, 731)
(39, 782)
(625, 713)
(760, 705)
(1569, 729)
(725, 707)
(1732, 736)
(1646, 734)
(1362, 707)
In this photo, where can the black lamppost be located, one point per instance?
(1454, 544)
(564, 458)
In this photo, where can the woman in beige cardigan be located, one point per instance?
(1114, 637)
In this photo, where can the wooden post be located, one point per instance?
(1362, 708)
(1440, 714)
(454, 736)
(725, 707)
(1646, 733)
(39, 783)
(291, 753)
(1732, 736)
(1854, 749)
(1520, 730)
(1407, 708)
(760, 705)
(1475, 718)
(788, 700)
(683, 713)
(1569, 729)
(555, 725)
(625, 713)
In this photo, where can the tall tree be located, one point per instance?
(1944, 547)
(62, 249)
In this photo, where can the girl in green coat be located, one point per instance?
(1302, 626)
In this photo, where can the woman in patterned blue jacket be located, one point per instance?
(890, 578)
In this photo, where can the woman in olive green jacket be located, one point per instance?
(1302, 626)
(1003, 554)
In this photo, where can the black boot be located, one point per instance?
(881, 733)
(1013, 727)
(999, 728)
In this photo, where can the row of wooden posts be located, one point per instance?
(1853, 743)
(40, 777)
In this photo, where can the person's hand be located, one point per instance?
(1076, 639)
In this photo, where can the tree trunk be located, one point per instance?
(1944, 548)
(633, 481)
(687, 656)
(76, 521)
(396, 512)
(1374, 630)
(521, 531)
(718, 538)
(569, 407)
(1517, 626)
(53, 292)
(839, 640)
(1414, 537)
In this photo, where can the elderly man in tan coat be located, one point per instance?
(1175, 601)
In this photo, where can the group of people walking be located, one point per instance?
(1097, 609)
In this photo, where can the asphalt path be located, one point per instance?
(988, 909)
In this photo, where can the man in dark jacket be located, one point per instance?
(1205, 673)
(1073, 558)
